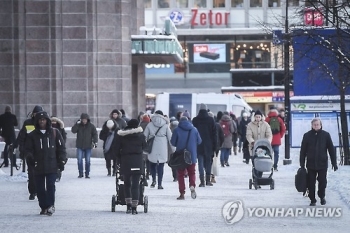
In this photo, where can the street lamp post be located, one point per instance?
(287, 159)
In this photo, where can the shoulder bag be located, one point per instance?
(150, 141)
(181, 159)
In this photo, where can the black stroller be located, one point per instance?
(119, 199)
(262, 162)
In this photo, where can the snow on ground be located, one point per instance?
(84, 205)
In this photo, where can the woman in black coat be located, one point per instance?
(130, 145)
(8, 121)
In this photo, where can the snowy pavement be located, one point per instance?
(84, 205)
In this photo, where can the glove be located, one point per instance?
(335, 167)
(61, 166)
(30, 160)
(94, 145)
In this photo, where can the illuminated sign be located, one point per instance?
(209, 18)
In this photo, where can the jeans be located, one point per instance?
(204, 164)
(157, 168)
(45, 188)
(191, 170)
(225, 154)
(83, 153)
(276, 152)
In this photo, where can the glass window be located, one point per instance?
(255, 3)
(200, 3)
(163, 3)
(293, 2)
(236, 3)
(182, 3)
(311, 2)
(218, 3)
(148, 3)
(274, 3)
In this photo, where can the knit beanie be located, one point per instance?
(203, 106)
(159, 112)
(146, 118)
(258, 113)
(133, 123)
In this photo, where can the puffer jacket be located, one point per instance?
(228, 143)
(86, 134)
(160, 144)
(45, 150)
(258, 130)
(129, 147)
(60, 126)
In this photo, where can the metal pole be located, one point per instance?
(287, 160)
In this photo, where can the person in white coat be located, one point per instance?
(159, 153)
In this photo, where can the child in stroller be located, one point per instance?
(262, 162)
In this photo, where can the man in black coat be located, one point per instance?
(28, 126)
(314, 147)
(8, 121)
(205, 151)
(46, 152)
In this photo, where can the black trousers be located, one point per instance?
(31, 179)
(132, 186)
(321, 177)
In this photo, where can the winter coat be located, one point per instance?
(28, 126)
(104, 133)
(242, 128)
(228, 143)
(276, 138)
(173, 125)
(160, 144)
(86, 134)
(219, 135)
(8, 121)
(45, 150)
(207, 130)
(143, 125)
(179, 138)
(121, 122)
(258, 130)
(314, 147)
(60, 126)
(129, 148)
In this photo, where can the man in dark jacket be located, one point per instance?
(86, 140)
(28, 126)
(8, 121)
(207, 130)
(46, 152)
(130, 145)
(314, 147)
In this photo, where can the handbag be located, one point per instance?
(301, 180)
(181, 159)
(150, 141)
(214, 168)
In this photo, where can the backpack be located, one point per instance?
(225, 125)
(275, 125)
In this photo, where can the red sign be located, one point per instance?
(209, 18)
(313, 17)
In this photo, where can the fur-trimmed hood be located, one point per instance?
(130, 131)
(59, 121)
(159, 120)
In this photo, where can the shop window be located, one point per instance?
(200, 3)
(236, 3)
(311, 2)
(163, 3)
(293, 2)
(182, 3)
(255, 3)
(274, 3)
(148, 3)
(218, 3)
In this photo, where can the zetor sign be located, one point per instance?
(209, 18)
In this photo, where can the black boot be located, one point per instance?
(133, 210)
(128, 208)
(202, 184)
(208, 183)
(109, 172)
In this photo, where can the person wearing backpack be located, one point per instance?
(278, 130)
(228, 127)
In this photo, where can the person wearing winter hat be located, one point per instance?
(117, 116)
(187, 114)
(203, 106)
(8, 122)
(185, 131)
(86, 140)
(107, 135)
(256, 130)
(45, 151)
(124, 117)
(129, 148)
(158, 127)
(28, 126)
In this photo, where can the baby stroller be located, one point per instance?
(262, 162)
(119, 199)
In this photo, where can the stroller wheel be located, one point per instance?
(272, 185)
(113, 203)
(250, 183)
(145, 204)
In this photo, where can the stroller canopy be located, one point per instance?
(262, 142)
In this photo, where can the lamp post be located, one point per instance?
(286, 160)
